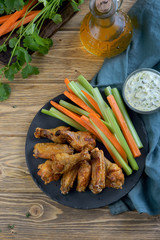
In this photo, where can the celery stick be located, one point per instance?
(82, 88)
(108, 114)
(57, 114)
(85, 84)
(98, 98)
(79, 94)
(126, 116)
(77, 91)
(124, 165)
(108, 91)
(73, 108)
(108, 125)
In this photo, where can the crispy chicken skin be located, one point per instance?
(49, 150)
(83, 177)
(46, 173)
(63, 162)
(97, 183)
(68, 179)
(114, 175)
(51, 134)
(79, 140)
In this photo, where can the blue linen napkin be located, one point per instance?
(143, 52)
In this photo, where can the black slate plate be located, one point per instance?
(86, 200)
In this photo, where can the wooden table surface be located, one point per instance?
(18, 193)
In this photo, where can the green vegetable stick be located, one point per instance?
(108, 125)
(85, 84)
(98, 98)
(124, 165)
(73, 108)
(108, 114)
(126, 116)
(82, 88)
(79, 94)
(108, 91)
(57, 114)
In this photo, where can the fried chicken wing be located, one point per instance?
(79, 140)
(63, 162)
(83, 177)
(51, 134)
(97, 183)
(46, 172)
(114, 175)
(68, 179)
(49, 150)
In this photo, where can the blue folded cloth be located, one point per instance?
(143, 52)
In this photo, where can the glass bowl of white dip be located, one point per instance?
(141, 91)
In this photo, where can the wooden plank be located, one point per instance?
(50, 220)
(67, 58)
(14, 174)
(24, 103)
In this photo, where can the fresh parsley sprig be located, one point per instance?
(28, 39)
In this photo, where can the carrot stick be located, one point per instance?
(14, 17)
(109, 135)
(72, 115)
(66, 81)
(25, 21)
(80, 103)
(4, 18)
(88, 123)
(93, 102)
(127, 134)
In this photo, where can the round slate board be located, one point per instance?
(84, 200)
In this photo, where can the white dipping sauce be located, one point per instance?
(142, 91)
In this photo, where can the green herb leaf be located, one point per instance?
(11, 5)
(3, 48)
(12, 42)
(5, 91)
(75, 5)
(29, 70)
(11, 71)
(11, 226)
(2, 8)
(22, 55)
(28, 214)
(30, 43)
(36, 43)
(31, 29)
(57, 18)
(80, 2)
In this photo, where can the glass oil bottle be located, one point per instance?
(106, 31)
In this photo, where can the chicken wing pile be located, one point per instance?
(74, 157)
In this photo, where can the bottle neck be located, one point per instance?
(105, 23)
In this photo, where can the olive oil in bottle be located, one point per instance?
(106, 31)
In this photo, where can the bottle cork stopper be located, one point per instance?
(103, 6)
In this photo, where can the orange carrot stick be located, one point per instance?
(80, 103)
(88, 123)
(25, 21)
(14, 17)
(127, 134)
(109, 135)
(71, 114)
(93, 102)
(4, 18)
(66, 81)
